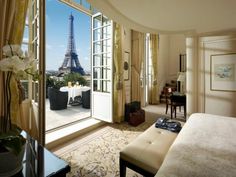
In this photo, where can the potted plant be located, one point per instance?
(13, 66)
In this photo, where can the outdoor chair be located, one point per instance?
(58, 100)
(86, 99)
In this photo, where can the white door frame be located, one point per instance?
(102, 95)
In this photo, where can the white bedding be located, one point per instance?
(205, 147)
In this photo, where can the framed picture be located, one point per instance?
(126, 65)
(182, 62)
(223, 72)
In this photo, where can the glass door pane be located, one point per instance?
(102, 68)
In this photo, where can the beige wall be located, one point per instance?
(192, 75)
(200, 97)
(177, 47)
(170, 47)
(216, 102)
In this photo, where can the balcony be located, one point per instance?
(64, 125)
(56, 119)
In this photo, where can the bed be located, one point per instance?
(205, 147)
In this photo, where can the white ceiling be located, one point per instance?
(165, 16)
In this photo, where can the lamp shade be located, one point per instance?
(181, 77)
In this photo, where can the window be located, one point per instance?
(148, 67)
(81, 5)
(33, 43)
(102, 53)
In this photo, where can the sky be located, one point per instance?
(57, 32)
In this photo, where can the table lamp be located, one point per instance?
(182, 79)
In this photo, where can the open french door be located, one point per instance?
(102, 68)
(33, 40)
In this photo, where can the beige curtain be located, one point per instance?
(12, 23)
(119, 88)
(153, 90)
(28, 119)
(138, 40)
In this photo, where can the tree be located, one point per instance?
(75, 77)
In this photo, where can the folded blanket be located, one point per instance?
(167, 124)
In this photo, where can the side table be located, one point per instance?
(40, 162)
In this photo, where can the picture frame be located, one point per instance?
(223, 72)
(182, 62)
(126, 66)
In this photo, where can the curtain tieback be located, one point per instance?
(154, 82)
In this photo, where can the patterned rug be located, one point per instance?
(98, 154)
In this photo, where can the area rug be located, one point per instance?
(98, 154)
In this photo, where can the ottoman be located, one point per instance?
(146, 153)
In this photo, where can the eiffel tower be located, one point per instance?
(71, 62)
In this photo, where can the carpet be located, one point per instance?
(98, 154)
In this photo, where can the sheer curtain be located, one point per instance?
(153, 90)
(119, 89)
